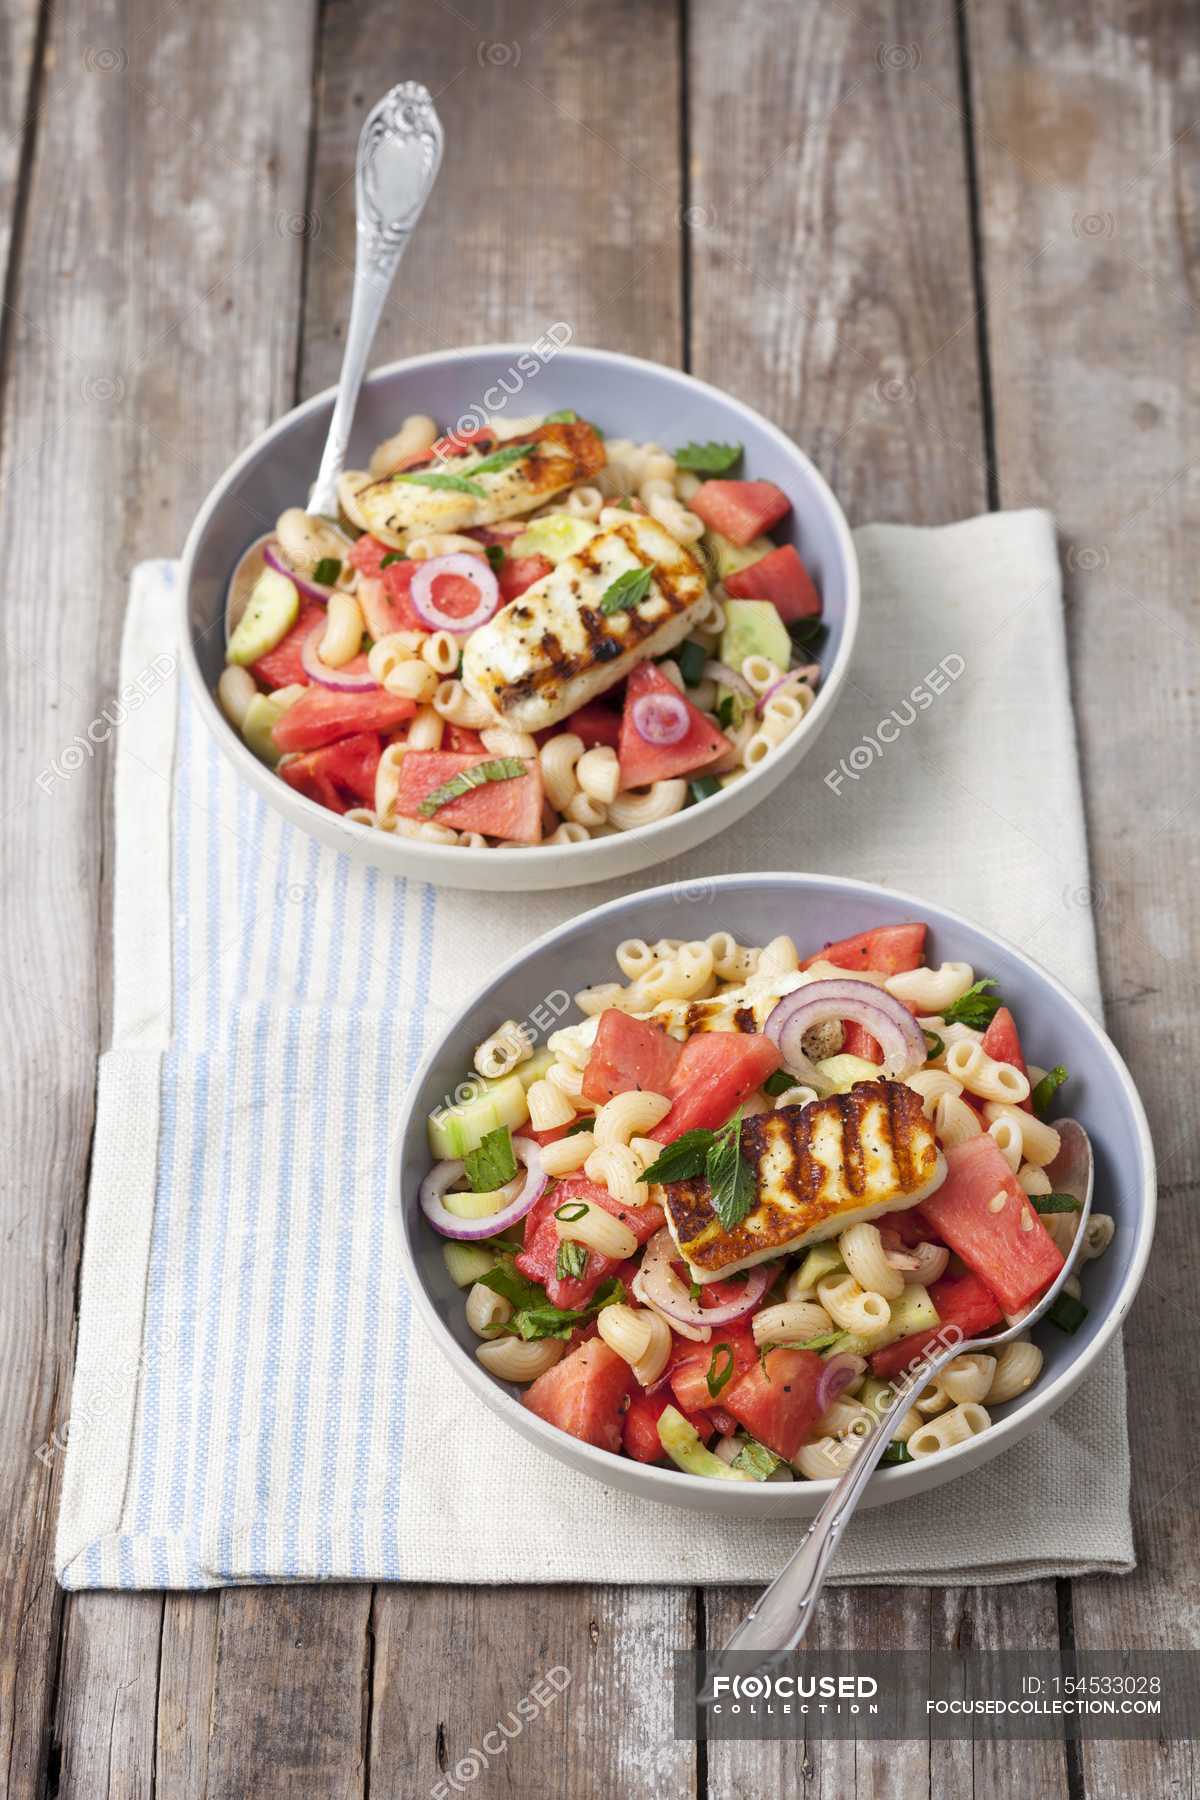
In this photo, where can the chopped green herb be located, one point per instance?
(571, 1260)
(934, 1046)
(572, 1211)
(625, 503)
(1046, 1089)
(393, 556)
(1055, 1203)
(501, 459)
(327, 571)
(778, 1083)
(683, 1160)
(826, 1341)
(694, 1290)
(708, 459)
(720, 1368)
(454, 484)
(977, 1008)
(512, 1286)
(730, 1175)
(807, 633)
(896, 1453)
(503, 768)
(565, 417)
(757, 1460)
(584, 1124)
(542, 1320)
(628, 590)
(495, 555)
(493, 1163)
(704, 787)
(691, 659)
(1067, 1313)
(725, 711)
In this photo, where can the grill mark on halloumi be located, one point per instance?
(817, 1169)
(563, 453)
(553, 649)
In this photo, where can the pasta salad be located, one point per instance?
(523, 634)
(712, 1222)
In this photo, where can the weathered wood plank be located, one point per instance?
(558, 199)
(187, 1679)
(535, 1690)
(832, 287)
(1087, 121)
(147, 338)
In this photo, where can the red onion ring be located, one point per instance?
(475, 569)
(663, 1288)
(808, 673)
(661, 718)
(314, 590)
(839, 1371)
(726, 677)
(887, 1019)
(450, 1225)
(359, 682)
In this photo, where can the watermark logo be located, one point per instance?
(132, 697)
(874, 745)
(494, 1742)
(506, 387)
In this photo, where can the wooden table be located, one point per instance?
(954, 253)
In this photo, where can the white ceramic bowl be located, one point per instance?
(627, 398)
(813, 909)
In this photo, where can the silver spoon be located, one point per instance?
(785, 1611)
(399, 155)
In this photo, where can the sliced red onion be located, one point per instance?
(661, 718)
(887, 1019)
(443, 1175)
(793, 678)
(475, 569)
(314, 590)
(839, 1371)
(726, 677)
(361, 681)
(663, 1287)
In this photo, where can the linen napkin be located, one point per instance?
(253, 1398)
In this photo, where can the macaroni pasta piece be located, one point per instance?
(512, 1359)
(630, 1115)
(983, 1076)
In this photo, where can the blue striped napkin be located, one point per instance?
(253, 1400)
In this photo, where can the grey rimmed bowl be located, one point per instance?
(813, 909)
(626, 397)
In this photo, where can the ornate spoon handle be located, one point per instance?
(399, 154)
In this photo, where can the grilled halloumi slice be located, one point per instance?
(553, 648)
(817, 1169)
(563, 453)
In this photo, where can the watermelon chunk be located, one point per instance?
(503, 809)
(516, 573)
(538, 1260)
(1007, 1247)
(776, 1399)
(886, 950)
(584, 1394)
(322, 715)
(740, 510)
(1000, 1041)
(639, 1435)
(961, 1300)
(716, 1071)
(629, 1054)
(643, 762)
(282, 667)
(385, 602)
(782, 578)
(595, 723)
(340, 775)
(690, 1364)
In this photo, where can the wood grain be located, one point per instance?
(147, 339)
(814, 142)
(1087, 136)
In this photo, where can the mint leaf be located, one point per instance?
(493, 1163)
(393, 556)
(502, 768)
(500, 459)
(327, 570)
(708, 459)
(571, 1260)
(977, 1008)
(454, 484)
(683, 1160)
(542, 1320)
(1054, 1203)
(756, 1460)
(730, 1175)
(628, 590)
(495, 556)
(565, 417)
